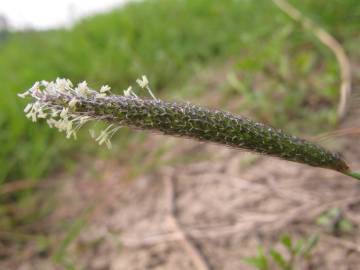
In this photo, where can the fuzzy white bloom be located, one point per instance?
(42, 114)
(64, 113)
(130, 93)
(54, 113)
(23, 95)
(44, 83)
(103, 137)
(28, 108)
(106, 135)
(105, 88)
(33, 89)
(58, 102)
(82, 88)
(73, 102)
(63, 85)
(143, 82)
(127, 92)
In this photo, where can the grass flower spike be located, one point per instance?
(68, 108)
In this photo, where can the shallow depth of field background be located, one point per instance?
(244, 56)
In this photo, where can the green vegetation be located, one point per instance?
(297, 252)
(267, 57)
(68, 109)
(335, 222)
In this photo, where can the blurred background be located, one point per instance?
(153, 202)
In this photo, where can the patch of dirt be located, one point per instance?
(226, 206)
(203, 214)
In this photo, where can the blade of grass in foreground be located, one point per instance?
(68, 108)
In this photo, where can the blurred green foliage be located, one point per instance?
(297, 252)
(170, 40)
(335, 222)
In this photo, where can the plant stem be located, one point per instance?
(355, 175)
(68, 108)
(191, 121)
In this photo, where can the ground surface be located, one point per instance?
(181, 204)
(226, 205)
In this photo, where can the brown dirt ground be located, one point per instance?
(208, 208)
(226, 205)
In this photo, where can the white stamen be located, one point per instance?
(28, 108)
(104, 89)
(56, 103)
(143, 82)
(82, 88)
(23, 95)
(130, 93)
(73, 102)
(64, 112)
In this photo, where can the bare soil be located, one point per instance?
(220, 210)
(208, 207)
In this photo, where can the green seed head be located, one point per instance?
(68, 108)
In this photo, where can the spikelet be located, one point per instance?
(68, 108)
